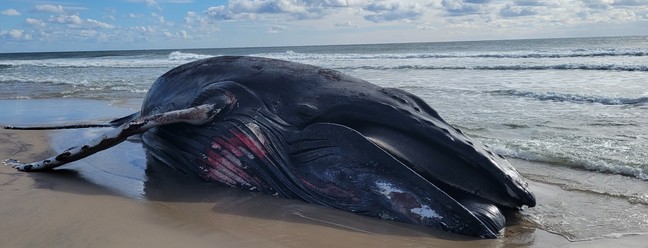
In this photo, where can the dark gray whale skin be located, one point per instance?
(319, 135)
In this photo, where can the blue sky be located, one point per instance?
(32, 25)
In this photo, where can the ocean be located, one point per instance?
(577, 105)
(570, 102)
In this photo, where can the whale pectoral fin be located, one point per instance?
(196, 116)
(114, 123)
(120, 121)
(337, 166)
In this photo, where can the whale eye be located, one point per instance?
(307, 110)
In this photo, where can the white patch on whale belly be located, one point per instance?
(257, 132)
(426, 212)
(387, 189)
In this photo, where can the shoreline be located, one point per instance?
(76, 206)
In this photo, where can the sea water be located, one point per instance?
(570, 102)
(579, 105)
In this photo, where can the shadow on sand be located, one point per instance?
(127, 171)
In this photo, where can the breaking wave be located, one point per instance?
(141, 61)
(177, 55)
(291, 54)
(19, 89)
(610, 67)
(575, 98)
(592, 163)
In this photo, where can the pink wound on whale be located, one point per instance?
(249, 142)
(227, 145)
(227, 169)
(226, 155)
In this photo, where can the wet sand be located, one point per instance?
(113, 200)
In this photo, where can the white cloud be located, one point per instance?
(94, 23)
(464, 7)
(193, 19)
(183, 34)
(159, 17)
(154, 4)
(296, 9)
(391, 11)
(599, 4)
(219, 13)
(346, 24)
(275, 29)
(66, 19)
(10, 12)
(533, 2)
(516, 11)
(15, 34)
(58, 9)
(75, 21)
(323, 21)
(630, 3)
(149, 3)
(35, 22)
(489, 17)
(87, 33)
(145, 29)
(200, 25)
(283, 10)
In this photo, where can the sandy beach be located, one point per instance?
(113, 200)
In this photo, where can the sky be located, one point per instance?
(67, 25)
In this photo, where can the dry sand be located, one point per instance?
(73, 208)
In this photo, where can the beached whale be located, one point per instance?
(315, 134)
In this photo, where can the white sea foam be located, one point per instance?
(290, 54)
(559, 154)
(173, 59)
(591, 67)
(576, 98)
(93, 62)
(177, 55)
